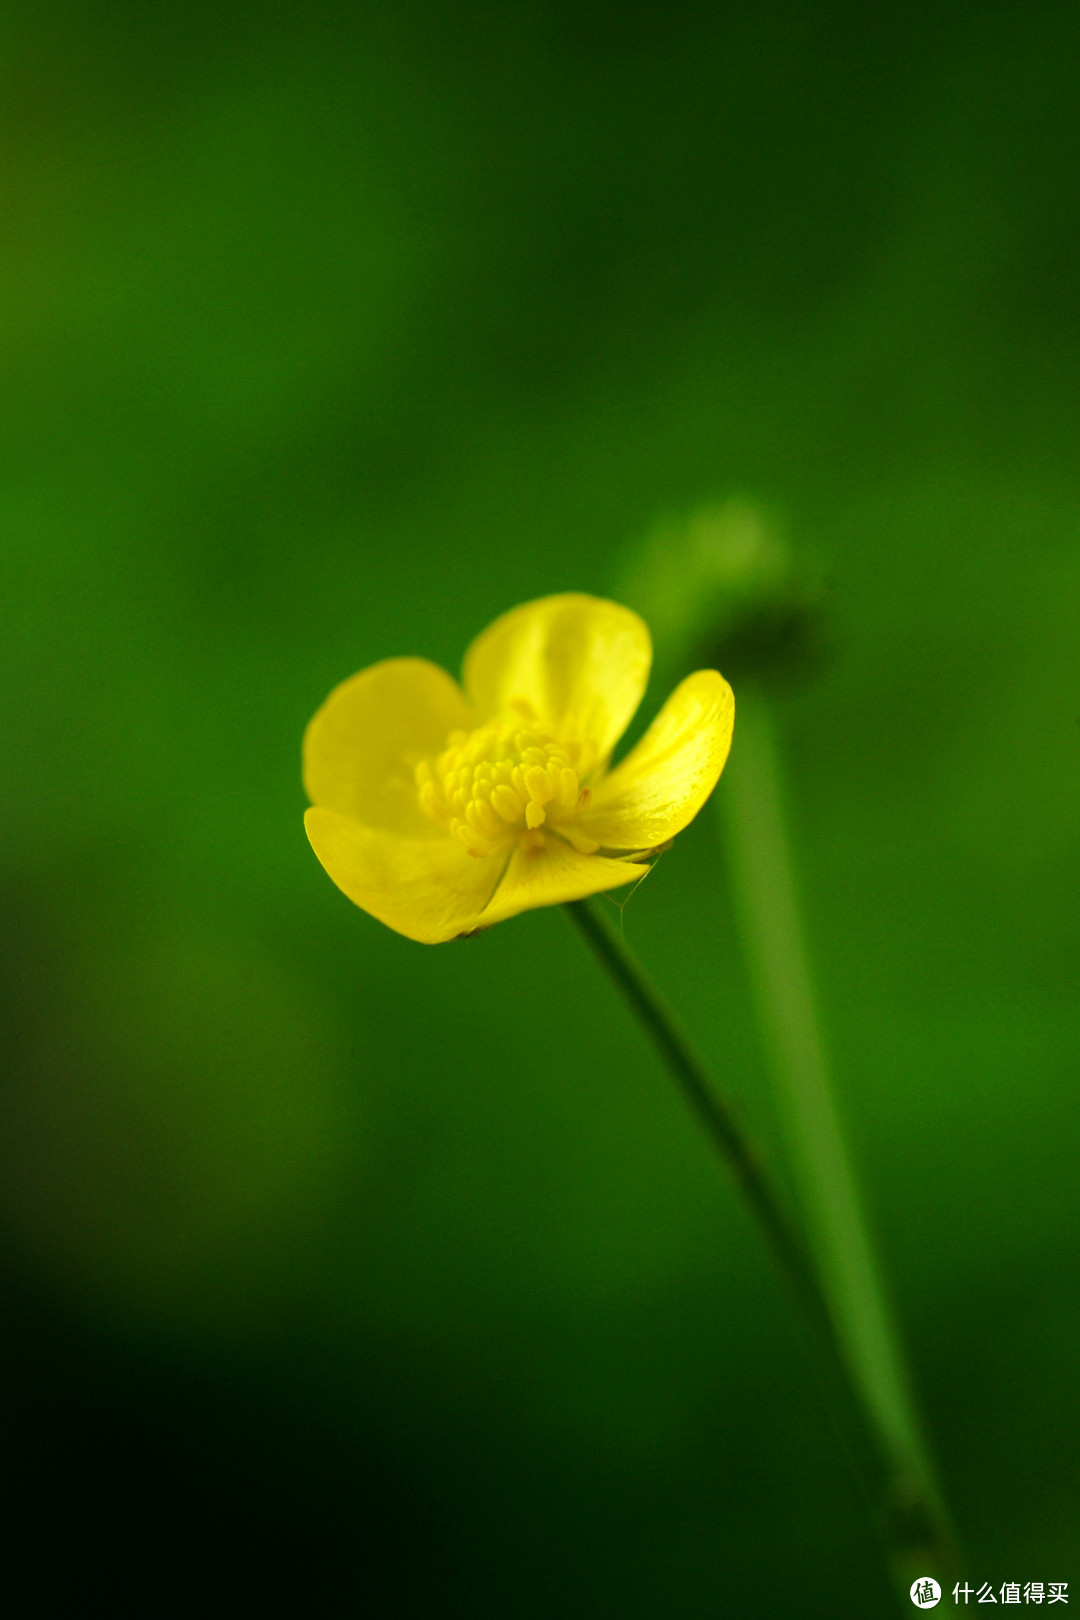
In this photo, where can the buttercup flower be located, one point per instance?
(441, 810)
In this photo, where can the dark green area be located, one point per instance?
(383, 1279)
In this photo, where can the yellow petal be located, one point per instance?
(551, 874)
(661, 785)
(564, 655)
(362, 747)
(429, 889)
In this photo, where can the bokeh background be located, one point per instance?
(344, 1274)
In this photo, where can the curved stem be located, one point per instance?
(712, 1112)
(763, 874)
(864, 1440)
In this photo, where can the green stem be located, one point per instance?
(762, 869)
(905, 1502)
(712, 1111)
(726, 1134)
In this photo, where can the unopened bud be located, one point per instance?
(720, 587)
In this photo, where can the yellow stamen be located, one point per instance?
(539, 784)
(505, 781)
(505, 801)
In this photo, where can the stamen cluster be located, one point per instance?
(507, 780)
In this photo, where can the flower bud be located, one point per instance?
(720, 588)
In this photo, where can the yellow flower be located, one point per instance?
(441, 811)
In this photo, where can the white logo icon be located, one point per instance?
(925, 1592)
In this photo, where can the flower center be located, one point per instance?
(506, 780)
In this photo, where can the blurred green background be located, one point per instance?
(342, 1273)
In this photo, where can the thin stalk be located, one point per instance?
(859, 1433)
(762, 869)
(712, 1111)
